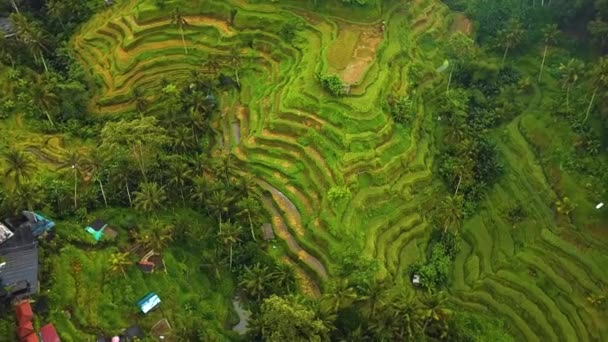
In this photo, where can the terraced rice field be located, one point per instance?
(298, 142)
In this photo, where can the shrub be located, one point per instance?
(332, 83)
(401, 109)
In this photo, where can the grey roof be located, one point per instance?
(21, 255)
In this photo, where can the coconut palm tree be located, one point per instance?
(249, 206)
(73, 160)
(511, 36)
(96, 162)
(341, 295)
(570, 73)
(409, 317)
(451, 211)
(45, 96)
(256, 281)
(550, 35)
(200, 191)
(219, 203)
(18, 165)
(179, 175)
(599, 80)
(230, 235)
(32, 36)
(373, 295)
(118, 261)
(150, 196)
(179, 20)
(183, 139)
(434, 312)
(27, 195)
(235, 61)
(283, 278)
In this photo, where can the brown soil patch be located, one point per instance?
(305, 282)
(363, 56)
(462, 24)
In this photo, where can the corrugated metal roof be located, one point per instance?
(21, 264)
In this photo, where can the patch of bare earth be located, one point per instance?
(462, 24)
(363, 55)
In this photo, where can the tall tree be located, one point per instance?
(141, 103)
(285, 319)
(230, 235)
(18, 165)
(342, 294)
(179, 176)
(249, 206)
(149, 197)
(256, 281)
(73, 161)
(511, 36)
(45, 96)
(435, 314)
(96, 163)
(570, 73)
(32, 36)
(219, 202)
(451, 211)
(179, 20)
(143, 138)
(599, 81)
(550, 35)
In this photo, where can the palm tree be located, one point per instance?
(149, 197)
(179, 176)
(219, 202)
(96, 163)
(27, 195)
(511, 36)
(18, 165)
(180, 22)
(451, 211)
(408, 315)
(32, 36)
(373, 296)
(433, 311)
(73, 160)
(256, 281)
(44, 94)
(162, 235)
(122, 173)
(570, 74)
(200, 191)
(550, 34)
(183, 139)
(248, 206)
(141, 104)
(283, 277)
(118, 261)
(230, 235)
(341, 295)
(599, 81)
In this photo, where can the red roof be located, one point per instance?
(49, 334)
(24, 313)
(24, 330)
(30, 338)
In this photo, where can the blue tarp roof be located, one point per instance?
(149, 302)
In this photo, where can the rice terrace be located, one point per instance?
(303, 170)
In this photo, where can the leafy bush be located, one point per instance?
(401, 109)
(332, 83)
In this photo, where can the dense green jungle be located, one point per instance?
(305, 170)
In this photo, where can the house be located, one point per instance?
(35, 222)
(99, 229)
(49, 334)
(19, 253)
(267, 233)
(25, 327)
(133, 333)
(148, 302)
